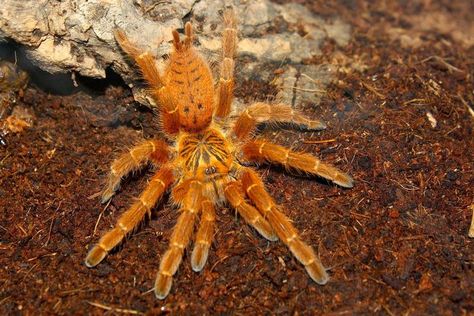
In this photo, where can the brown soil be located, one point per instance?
(396, 243)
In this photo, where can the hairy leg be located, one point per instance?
(144, 60)
(147, 65)
(132, 217)
(155, 150)
(283, 227)
(272, 113)
(179, 239)
(226, 81)
(261, 150)
(234, 194)
(203, 236)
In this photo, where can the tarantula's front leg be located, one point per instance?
(261, 150)
(132, 217)
(234, 194)
(155, 150)
(203, 236)
(171, 260)
(226, 82)
(277, 113)
(254, 188)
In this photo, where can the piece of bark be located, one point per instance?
(77, 35)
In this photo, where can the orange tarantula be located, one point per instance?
(202, 162)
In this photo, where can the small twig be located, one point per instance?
(53, 218)
(415, 100)
(413, 187)
(308, 77)
(49, 231)
(217, 262)
(100, 216)
(304, 90)
(74, 291)
(387, 310)
(452, 130)
(114, 309)
(31, 269)
(360, 215)
(93, 196)
(413, 237)
(4, 300)
(154, 5)
(149, 291)
(471, 111)
(22, 229)
(373, 90)
(450, 68)
(42, 256)
(5, 158)
(319, 141)
(377, 281)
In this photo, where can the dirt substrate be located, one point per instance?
(397, 243)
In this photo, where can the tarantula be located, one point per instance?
(203, 162)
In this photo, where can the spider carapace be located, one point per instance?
(204, 161)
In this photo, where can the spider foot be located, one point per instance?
(163, 285)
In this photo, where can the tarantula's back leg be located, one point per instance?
(182, 232)
(132, 217)
(203, 236)
(147, 65)
(272, 113)
(234, 194)
(283, 227)
(144, 60)
(226, 81)
(261, 150)
(155, 150)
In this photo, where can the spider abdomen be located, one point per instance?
(190, 84)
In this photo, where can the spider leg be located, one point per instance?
(147, 65)
(144, 60)
(305, 254)
(203, 236)
(179, 239)
(261, 150)
(226, 81)
(265, 113)
(155, 150)
(132, 217)
(234, 194)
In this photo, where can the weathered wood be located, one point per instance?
(76, 35)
